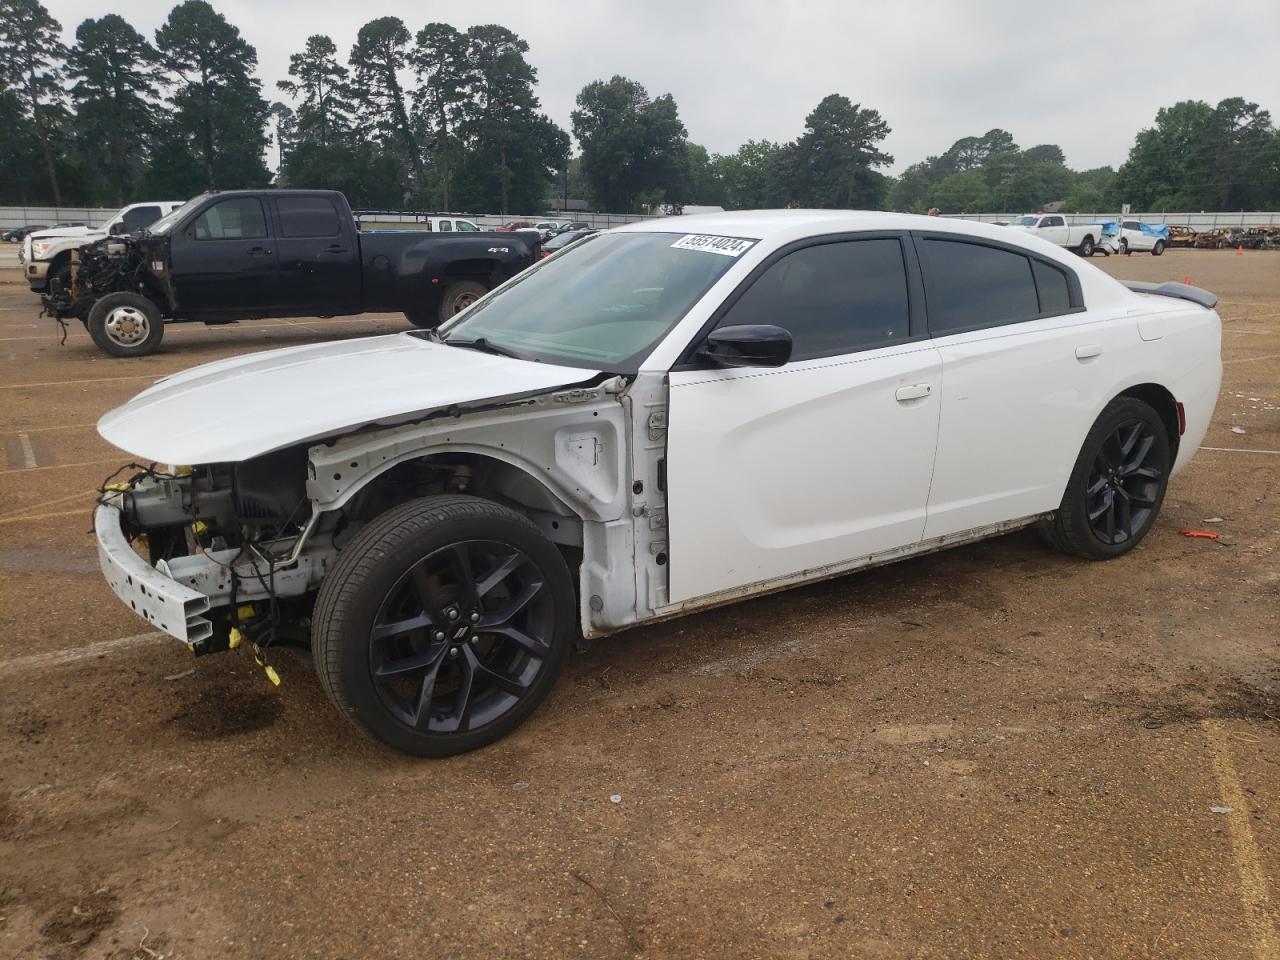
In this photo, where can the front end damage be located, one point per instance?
(111, 265)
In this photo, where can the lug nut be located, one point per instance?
(439, 634)
(453, 613)
(453, 651)
(475, 618)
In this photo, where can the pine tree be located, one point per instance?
(32, 60)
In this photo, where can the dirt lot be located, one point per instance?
(994, 751)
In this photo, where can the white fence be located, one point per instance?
(1196, 221)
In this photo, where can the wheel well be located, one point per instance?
(476, 475)
(481, 271)
(1161, 400)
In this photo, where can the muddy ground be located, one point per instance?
(990, 752)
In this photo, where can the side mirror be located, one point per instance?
(748, 345)
(117, 229)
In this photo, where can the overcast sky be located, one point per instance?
(1083, 74)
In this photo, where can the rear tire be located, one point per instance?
(1158, 248)
(1124, 248)
(443, 625)
(458, 296)
(1117, 485)
(125, 325)
(1086, 247)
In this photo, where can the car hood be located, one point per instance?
(68, 232)
(243, 407)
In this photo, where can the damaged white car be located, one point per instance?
(656, 420)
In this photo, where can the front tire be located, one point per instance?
(1158, 248)
(458, 296)
(125, 325)
(1124, 248)
(1117, 485)
(443, 625)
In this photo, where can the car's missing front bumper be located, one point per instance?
(177, 610)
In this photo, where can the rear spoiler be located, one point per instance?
(1182, 291)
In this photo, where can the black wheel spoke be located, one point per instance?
(460, 565)
(1135, 458)
(1097, 486)
(1147, 473)
(532, 644)
(499, 573)
(500, 680)
(1125, 515)
(512, 607)
(428, 660)
(462, 701)
(398, 627)
(426, 694)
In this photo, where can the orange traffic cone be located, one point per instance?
(1187, 281)
(1240, 250)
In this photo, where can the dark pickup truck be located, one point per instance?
(246, 254)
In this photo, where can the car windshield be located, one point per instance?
(165, 223)
(1023, 222)
(562, 239)
(602, 304)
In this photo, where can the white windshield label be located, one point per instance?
(725, 246)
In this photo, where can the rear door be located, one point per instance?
(781, 471)
(1135, 238)
(319, 261)
(224, 259)
(1054, 229)
(1023, 365)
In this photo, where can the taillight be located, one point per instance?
(1182, 418)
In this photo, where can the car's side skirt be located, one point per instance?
(830, 571)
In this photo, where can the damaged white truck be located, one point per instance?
(645, 424)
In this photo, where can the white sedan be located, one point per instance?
(656, 420)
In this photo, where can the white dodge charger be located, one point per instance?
(658, 419)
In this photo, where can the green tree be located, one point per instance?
(440, 60)
(837, 154)
(962, 193)
(972, 153)
(32, 60)
(215, 135)
(1045, 153)
(912, 191)
(513, 149)
(378, 57)
(113, 65)
(320, 86)
(757, 176)
(632, 145)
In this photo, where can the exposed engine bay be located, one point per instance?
(110, 265)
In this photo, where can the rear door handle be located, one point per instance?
(1088, 351)
(335, 248)
(916, 391)
(258, 251)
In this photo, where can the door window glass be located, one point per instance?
(307, 217)
(140, 217)
(446, 226)
(968, 286)
(239, 218)
(466, 226)
(833, 298)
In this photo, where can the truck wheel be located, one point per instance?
(125, 325)
(1158, 248)
(1124, 248)
(427, 319)
(443, 624)
(458, 296)
(1086, 247)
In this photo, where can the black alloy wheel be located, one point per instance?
(1117, 484)
(458, 641)
(443, 624)
(1125, 483)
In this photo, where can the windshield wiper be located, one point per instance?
(480, 343)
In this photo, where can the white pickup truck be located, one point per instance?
(47, 253)
(1083, 238)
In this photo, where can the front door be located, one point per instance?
(781, 472)
(224, 260)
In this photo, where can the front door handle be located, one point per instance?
(259, 252)
(916, 391)
(335, 248)
(1088, 351)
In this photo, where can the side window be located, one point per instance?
(466, 226)
(446, 226)
(307, 217)
(1051, 284)
(1132, 225)
(968, 286)
(140, 217)
(239, 218)
(833, 298)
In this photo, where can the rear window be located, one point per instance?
(1051, 285)
(968, 286)
(307, 217)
